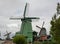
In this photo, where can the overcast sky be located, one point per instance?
(44, 9)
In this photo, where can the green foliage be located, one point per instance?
(37, 42)
(55, 29)
(20, 39)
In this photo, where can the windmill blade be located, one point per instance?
(33, 18)
(38, 26)
(16, 18)
(5, 34)
(26, 9)
(43, 24)
(6, 31)
(9, 33)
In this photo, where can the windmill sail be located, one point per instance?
(8, 35)
(26, 9)
(43, 24)
(38, 26)
(16, 18)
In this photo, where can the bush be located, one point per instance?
(19, 39)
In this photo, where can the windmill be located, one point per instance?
(8, 35)
(42, 33)
(26, 26)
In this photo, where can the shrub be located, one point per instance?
(19, 39)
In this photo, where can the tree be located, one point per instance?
(55, 29)
(19, 39)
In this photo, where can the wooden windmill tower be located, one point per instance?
(42, 33)
(8, 35)
(26, 26)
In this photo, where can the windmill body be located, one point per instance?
(43, 32)
(26, 26)
(8, 37)
(26, 29)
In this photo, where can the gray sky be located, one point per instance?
(44, 9)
